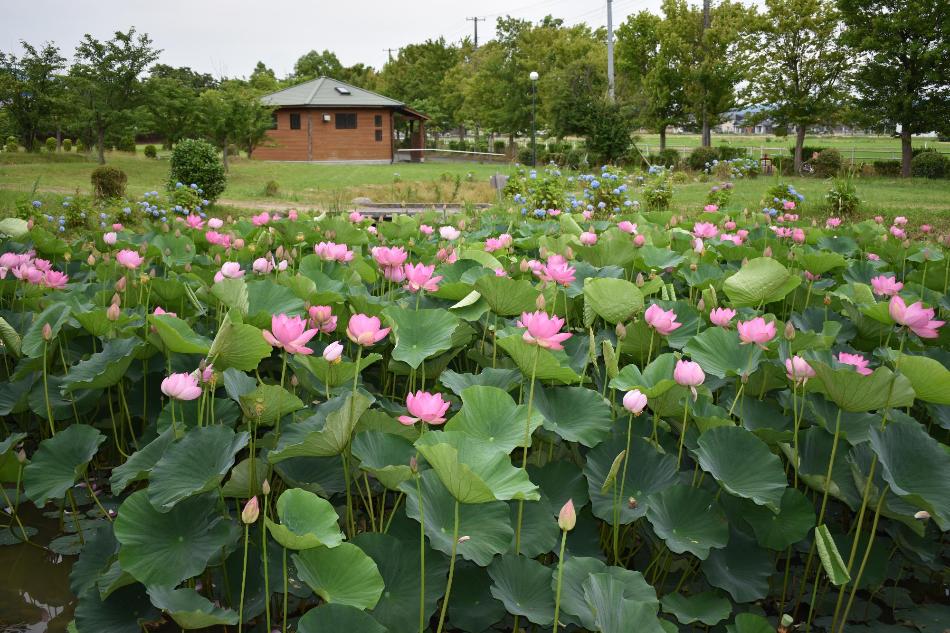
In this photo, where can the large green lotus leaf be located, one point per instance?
(614, 300)
(655, 380)
(508, 297)
(178, 336)
(176, 250)
(855, 427)
(742, 568)
(613, 613)
(105, 368)
(720, 353)
(655, 257)
(820, 262)
(688, 520)
(743, 465)
(334, 374)
(325, 433)
(33, 343)
(487, 525)
(398, 563)
(124, 611)
(815, 451)
(238, 345)
(472, 608)
(853, 392)
(306, 521)
(524, 587)
(762, 280)
(930, 379)
(10, 338)
(232, 293)
(795, 518)
(385, 456)
(197, 463)
(140, 463)
(267, 404)
(164, 548)
(649, 471)
(615, 250)
(246, 480)
(491, 415)
(14, 227)
(189, 609)
(539, 531)
(487, 260)
(915, 465)
(338, 617)
(504, 379)
(59, 461)
(576, 414)
(830, 557)
(9, 462)
(97, 555)
(559, 481)
(420, 334)
(341, 575)
(550, 366)
(472, 471)
(707, 607)
(266, 298)
(574, 606)
(750, 623)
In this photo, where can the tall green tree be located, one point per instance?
(107, 81)
(316, 64)
(263, 79)
(902, 75)
(31, 91)
(173, 109)
(233, 114)
(798, 69)
(198, 82)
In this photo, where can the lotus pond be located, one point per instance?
(613, 419)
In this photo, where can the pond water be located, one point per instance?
(34, 582)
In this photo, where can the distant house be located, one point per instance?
(739, 122)
(332, 121)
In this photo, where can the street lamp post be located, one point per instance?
(534, 92)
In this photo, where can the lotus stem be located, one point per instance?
(243, 580)
(422, 555)
(864, 560)
(16, 515)
(49, 410)
(527, 443)
(448, 585)
(350, 519)
(679, 453)
(266, 576)
(619, 499)
(560, 575)
(283, 628)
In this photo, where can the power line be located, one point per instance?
(475, 20)
(390, 51)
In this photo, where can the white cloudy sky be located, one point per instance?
(228, 37)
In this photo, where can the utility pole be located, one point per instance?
(707, 136)
(610, 49)
(476, 20)
(390, 52)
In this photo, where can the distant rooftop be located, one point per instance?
(328, 92)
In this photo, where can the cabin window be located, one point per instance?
(273, 120)
(346, 121)
(378, 120)
(295, 121)
(379, 135)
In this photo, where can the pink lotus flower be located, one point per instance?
(757, 331)
(705, 230)
(782, 231)
(833, 223)
(722, 317)
(798, 370)
(729, 237)
(55, 280)
(117, 226)
(493, 244)
(447, 255)
(333, 252)
(798, 236)
(426, 230)
(859, 362)
(872, 257)
(556, 270)
(543, 330)
(879, 219)
(389, 257)
(925, 228)
(261, 219)
(422, 405)
(639, 240)
(206, 374)
(420, 277)
(449, 233)
(634, 401)
(289, 333)
(663, 321)
(710, 208)
(897, 232)
(262, 266)
(554, 212)
(215, 223)
(915, 317)
(587, 214)
(113, 312)
(506, 240)
(729, 225)
(129, 258)
(627, 227)
(588, 238)
(689, 374)
(194, 221)
(229, 270)
(365, 330)
(333, 352)
(699, 246)
(900, 221)
(885, 286)
(181, 387)
(110, 238)
(810, 276)
(292, 215)
(159, 311)
(322, 319)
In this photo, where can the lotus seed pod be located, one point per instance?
(827, 300)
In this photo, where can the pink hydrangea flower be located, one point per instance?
(543, 330)
(425, 406)
(290, 334)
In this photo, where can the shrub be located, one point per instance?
(828, 163)
(151, 151)
(727, 152)
(51, 144)
(195, 161)
(658, 191)
(667, 158)
(499, 147)
(807, 151)
(842, 198)
(67, 145)
(576, 158)
(271, 188)
(702, 157)
(12, 145)
(80, 147)
(108, 182)
(891, 168)
(929, 165)
(524, 155)
(125, 144)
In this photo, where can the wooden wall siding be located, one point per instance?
(324, 141)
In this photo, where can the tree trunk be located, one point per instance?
(799, 145)
(224, 155)
(101, 144)
(707, 136)
(662, 137)
(59, 139)
(906, 152)
(512, 150)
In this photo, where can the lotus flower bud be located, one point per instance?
(187, 268)
(251, 511)
(524, 266)
(217, 259)
(116, 299)
(413, 464)
(701, 305)
(91, 260)
(47, 332)
(640, 280)
(827, 300)
(120, 285)
(621, 331)
(543, 252)
(789, 331)
(177, 232)
(265, 488)
(21, 456)
(114, 312)
(693, 267)
(462, 539)
(922, 515)
(767, 252)
(568, 253)
(294, 382)
(567, 517)
(539, 303)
